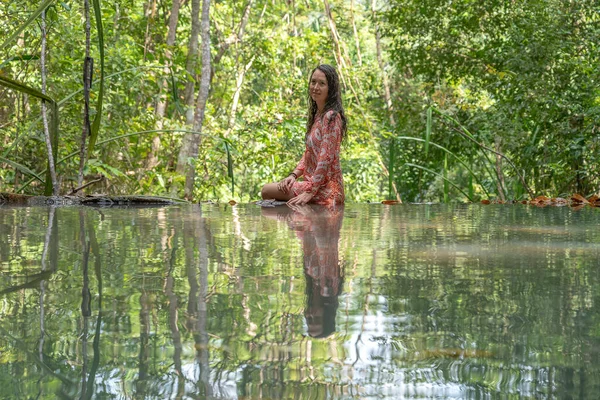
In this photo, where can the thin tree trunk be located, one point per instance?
(335, 36)
(150, 14)
(190, 67)
(356, 40)
(500, 182)
(55, 188)
(237, 37)
(242, 70)
(161, 106)
(87, 82)
(386, 84)
(201, 101)
(295, 31)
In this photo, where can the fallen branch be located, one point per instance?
(74, 191)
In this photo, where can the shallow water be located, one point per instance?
(366, 301)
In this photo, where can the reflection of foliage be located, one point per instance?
(483, 298)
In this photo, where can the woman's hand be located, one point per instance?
(286, 184)
(300, 200)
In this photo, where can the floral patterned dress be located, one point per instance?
(320, 164)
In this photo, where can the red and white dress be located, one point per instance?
(320, 164)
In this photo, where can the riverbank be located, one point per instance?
(102, 200)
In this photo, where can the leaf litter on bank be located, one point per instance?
(576, 201)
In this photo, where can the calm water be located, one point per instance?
(365, 302)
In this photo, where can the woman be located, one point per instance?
(320, 164)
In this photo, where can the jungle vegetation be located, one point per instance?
(447, 100)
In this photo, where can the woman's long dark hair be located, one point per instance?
(334, 99)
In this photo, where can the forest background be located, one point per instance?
(446, 100)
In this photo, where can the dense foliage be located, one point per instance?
(519, 78)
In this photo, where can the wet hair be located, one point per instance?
(320, 311)
(333, 102)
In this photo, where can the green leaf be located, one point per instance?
(27, 57)
(21, 87)
(21, 168)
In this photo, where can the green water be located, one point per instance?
(365, 302)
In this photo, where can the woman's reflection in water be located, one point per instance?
(318, 227)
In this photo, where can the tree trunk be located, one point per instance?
(234, 38)
(386, 84)
(199, 112)
(51, 164)
(356, 39)
(87, 82)
(500, 181)
(161, 106)
(242, 70)
(190, 67)
(150, 14)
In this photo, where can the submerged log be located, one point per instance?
(93, 200)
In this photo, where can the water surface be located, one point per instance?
(365, 302)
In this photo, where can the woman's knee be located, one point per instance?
(266, 193)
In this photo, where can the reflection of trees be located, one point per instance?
(196, 261)
(174, 319)
(89, 242)
(426, 290)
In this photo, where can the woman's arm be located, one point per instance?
(299, 170)
(332, 133)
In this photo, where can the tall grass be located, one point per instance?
(464, 132)
(445, 179)
(459, 159)
(487, 164)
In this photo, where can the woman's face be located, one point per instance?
(319, 88)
